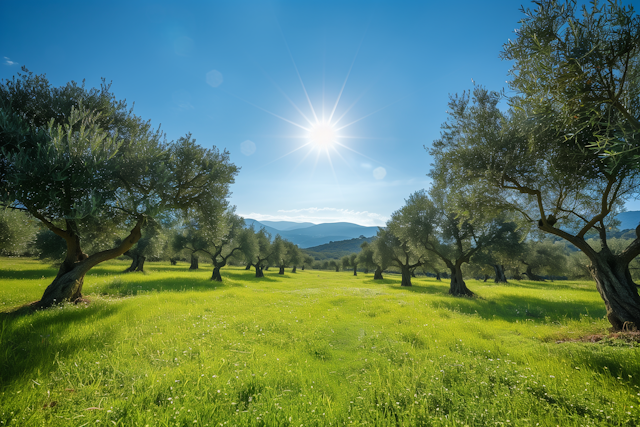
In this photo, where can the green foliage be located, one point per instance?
(583, 66)
(17, 232)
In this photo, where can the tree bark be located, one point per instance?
(67, 286)
(438, 276)
(355, 270)
(216, 274)
(532, 276)
(281, 271)
(458, 287)
(259, 272)
(617, 289)
(141, 260)
(377, 275)
(406, 276)
(194, 262)
(486, 277)
(293, 270)
(248, 267)
(134, 261)
(500, 277)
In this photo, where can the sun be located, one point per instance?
(322, 135)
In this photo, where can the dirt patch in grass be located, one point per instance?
(613, 338)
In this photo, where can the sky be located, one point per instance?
(326, 106)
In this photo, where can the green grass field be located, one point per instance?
(315, 348)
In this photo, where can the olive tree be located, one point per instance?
(82, 163)
(533, 159)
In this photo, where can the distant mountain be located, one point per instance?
(315, 235)
(287, 225)
(628, 220)
(336, 250)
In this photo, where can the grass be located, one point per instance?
(315, 348)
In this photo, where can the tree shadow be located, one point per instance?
(510, 308)
(28, 346)
(45, 272)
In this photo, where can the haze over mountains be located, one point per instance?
(307, 235)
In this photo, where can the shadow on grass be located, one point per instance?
(126, 284)
(49, 273)
(31, 341)
(510, 308)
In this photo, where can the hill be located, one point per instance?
(315, 235)
(336, 250)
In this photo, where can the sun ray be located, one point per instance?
(298, 73)
(266, 111)
(345, 80)
(284, 155)
(372, 113)
(289, 99)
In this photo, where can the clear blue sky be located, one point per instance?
(255, 77)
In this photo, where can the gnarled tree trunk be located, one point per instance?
(293, 270)
(500, 277)
(438, 276)
(248, 267)
(281, 270)
(194, 262)
(458, 287)
(216, 274)
(67, 286)
(406, 276)
(533, 276)
(259, 272)
(135, 259)
(617, 289)
(377, 275)
(141, 261)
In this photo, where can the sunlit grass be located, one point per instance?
(170, 347)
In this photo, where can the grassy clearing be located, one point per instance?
(170, 347)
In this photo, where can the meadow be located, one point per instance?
(169, 347)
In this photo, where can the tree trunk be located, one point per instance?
(259, 272)
(355, 270)
(337, 268)
(173, 261)
(500, 277)
(517, 275)
(302, 268)
(67, 286)
(194, 262)
(617, 289)
(141, 261)
(406, 277)
(532, 276)
(135, 259)
(293, 270)
(486, 277)
(377, 275)
(438, 276)
(458, 287)
(248, 267)
(216, 274)
(281, 271)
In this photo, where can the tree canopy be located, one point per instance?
(80, 161)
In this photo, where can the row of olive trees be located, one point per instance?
(84, 166)
(563, 155)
